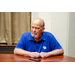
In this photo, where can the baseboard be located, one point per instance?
(7, 49)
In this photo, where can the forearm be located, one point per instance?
(26, 53)
(21, 52)
(56, 52)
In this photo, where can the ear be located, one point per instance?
(43, 29)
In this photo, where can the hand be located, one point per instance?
(34, 54)
(43, 54)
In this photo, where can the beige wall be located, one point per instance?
(59, 23)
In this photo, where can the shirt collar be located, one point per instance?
(42, 37)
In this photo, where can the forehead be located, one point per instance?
(36, 23)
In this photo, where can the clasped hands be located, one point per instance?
(36, 54)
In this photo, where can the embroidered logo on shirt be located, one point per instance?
(44, 47)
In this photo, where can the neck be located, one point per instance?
(36, 39)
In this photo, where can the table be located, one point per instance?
(10, 57)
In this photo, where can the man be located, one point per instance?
(38, 43)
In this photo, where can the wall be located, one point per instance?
(60, 28)
(58, 24)
(71, 43)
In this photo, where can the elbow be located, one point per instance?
(62, 51)
(15, 51)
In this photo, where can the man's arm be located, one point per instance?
(26, 53)
(56, 52)
(36, 54)
(52, 53)
(21, 52)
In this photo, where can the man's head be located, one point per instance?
(37, 28)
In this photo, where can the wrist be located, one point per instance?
(48, 54)
(27, 53)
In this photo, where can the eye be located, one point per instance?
(37, 28)
(32, 27)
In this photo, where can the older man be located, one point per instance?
(38, 43)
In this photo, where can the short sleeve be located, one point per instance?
(21, 43)
(55, 44)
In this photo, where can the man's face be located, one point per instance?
(36, 30)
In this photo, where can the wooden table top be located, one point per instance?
(10, 57)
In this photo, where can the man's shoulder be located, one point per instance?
(26, 34)
(47, 33)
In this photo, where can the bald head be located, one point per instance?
(39, 21)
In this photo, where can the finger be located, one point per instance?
(37, 55)
(42, 56)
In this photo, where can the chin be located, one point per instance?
(35, 36)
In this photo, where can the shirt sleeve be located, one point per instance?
(21, 43)
(55, 44)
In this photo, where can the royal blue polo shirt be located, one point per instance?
(46, 43)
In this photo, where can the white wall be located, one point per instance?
(71, 43)
(58, 24)
(60, 28)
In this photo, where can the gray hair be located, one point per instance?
(43, 24)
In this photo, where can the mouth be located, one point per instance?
(34, 33)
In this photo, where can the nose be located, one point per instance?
(34, 29)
